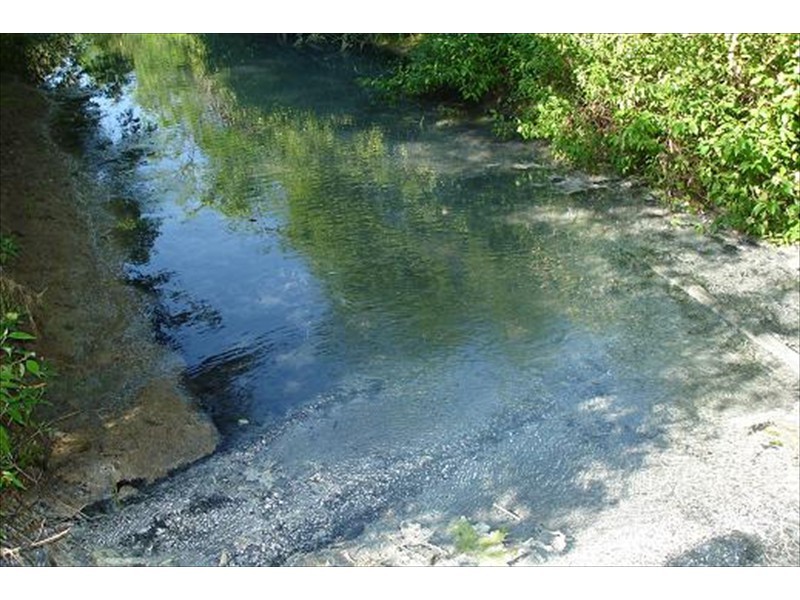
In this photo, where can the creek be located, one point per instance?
(397, 321)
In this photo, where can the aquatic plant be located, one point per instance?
(468, 540)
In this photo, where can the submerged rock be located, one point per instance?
(159, 433)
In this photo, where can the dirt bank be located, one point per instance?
(118, 413)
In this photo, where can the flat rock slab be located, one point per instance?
(160, 432)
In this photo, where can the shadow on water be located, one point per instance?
(385, 317)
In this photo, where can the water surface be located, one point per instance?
(386, 310)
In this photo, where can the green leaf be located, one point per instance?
(5, 442)
(15, 414)
(8, 478)
(21, 335)
(33, 367)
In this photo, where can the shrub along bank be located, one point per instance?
(709, 118)
(22, 381)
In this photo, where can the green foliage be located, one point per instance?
(503, 69)
(710, 118)
(451, 64)
(9, 249)
(34, 56)
(22, 385)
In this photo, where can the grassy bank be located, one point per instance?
(710, 119)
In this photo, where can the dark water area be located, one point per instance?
(379, 297)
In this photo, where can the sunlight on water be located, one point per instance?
(384, 294)
(303, 239)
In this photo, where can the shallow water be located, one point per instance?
(386, 311)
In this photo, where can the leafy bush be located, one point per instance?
(710, 118)
(451, 64)
(503, 69)
(22, 380)
(22, 384)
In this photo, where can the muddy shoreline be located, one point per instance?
(119, 415)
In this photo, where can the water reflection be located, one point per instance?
(296, 235)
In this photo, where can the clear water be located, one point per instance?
(382, 299)
(295, 237)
